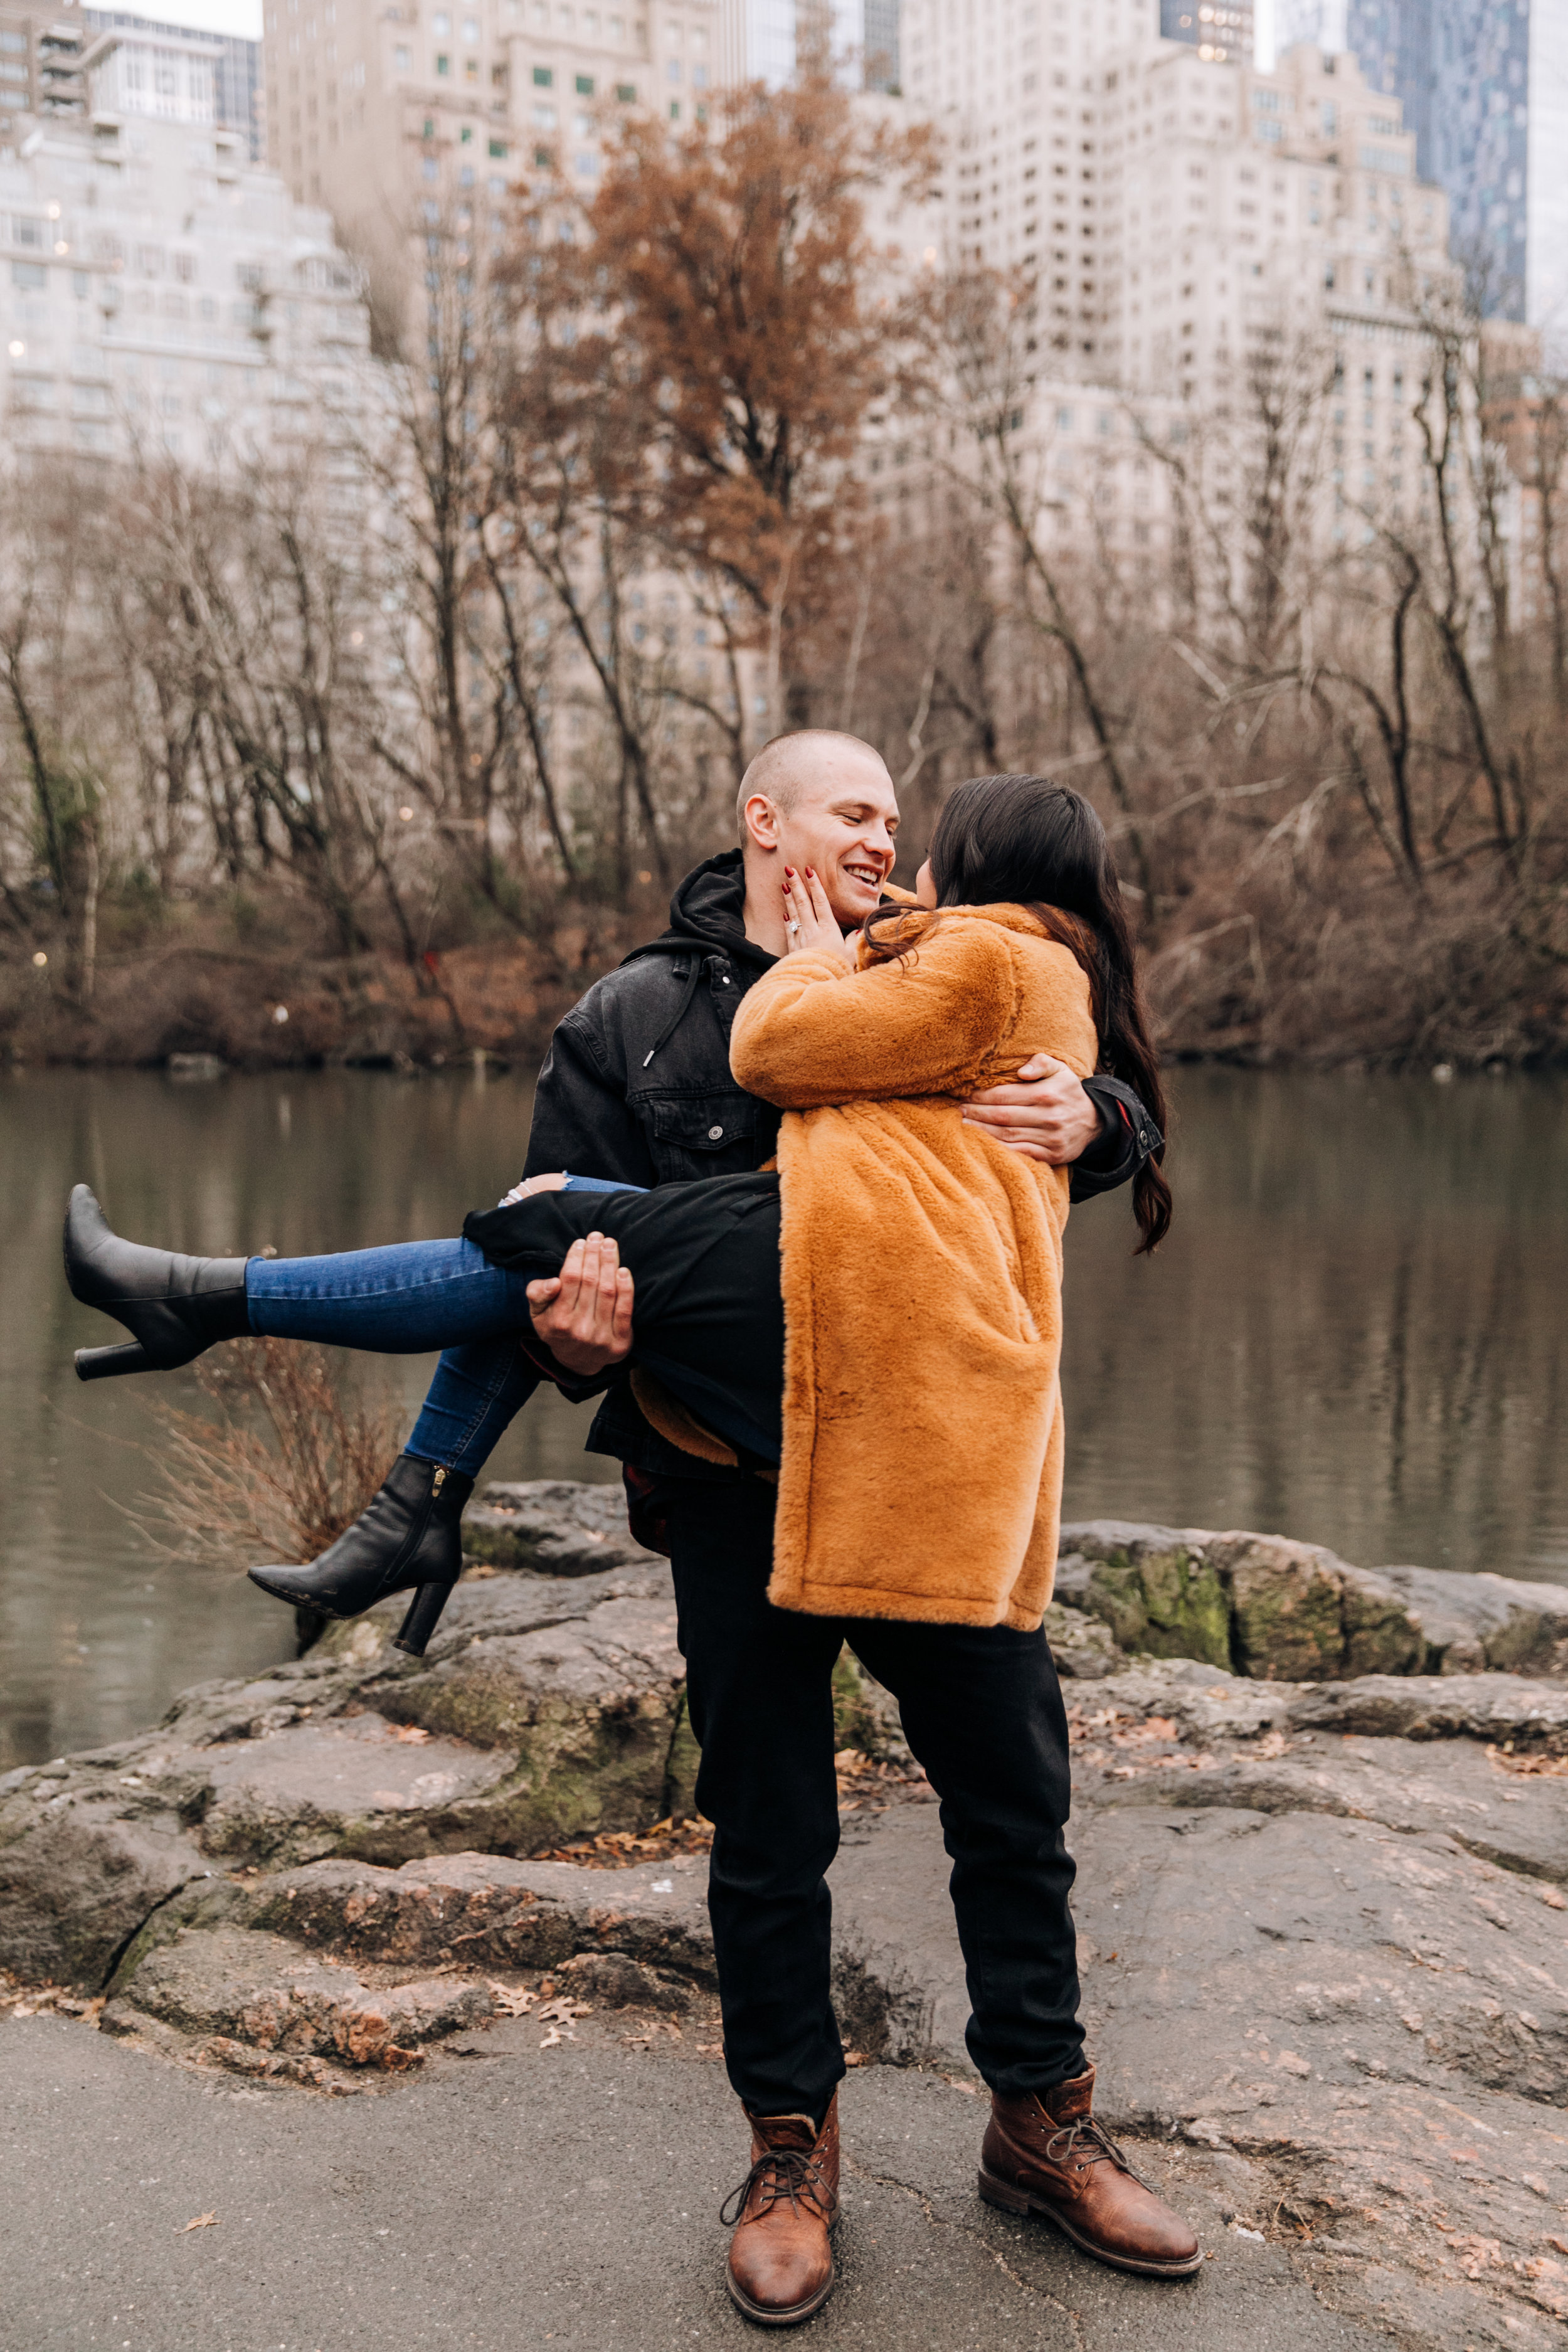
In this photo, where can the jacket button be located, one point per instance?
(714, 1133)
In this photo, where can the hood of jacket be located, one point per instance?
(708, 911)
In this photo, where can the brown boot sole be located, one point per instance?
(1002, 2193)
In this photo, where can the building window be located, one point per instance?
(443, 65)
(403, 59)
(627, 91)
(544, 118)
(673, 69)
(584, 85)
(497, 149)
(543, 78)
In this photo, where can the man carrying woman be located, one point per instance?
(883, 1467)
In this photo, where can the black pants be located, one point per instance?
(983, 1715)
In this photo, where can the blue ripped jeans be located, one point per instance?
(406, 1300)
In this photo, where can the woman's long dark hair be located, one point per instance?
(1024, 841)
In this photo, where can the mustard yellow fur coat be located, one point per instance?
(922, 1264)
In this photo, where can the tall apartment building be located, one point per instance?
(164, 293)
(1484, 86)
(1162, 201)
(377, 110)
(1258, 204)
(168, 69)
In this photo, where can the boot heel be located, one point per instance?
(1002, 2193)
(103, 1363)
(424, 1616)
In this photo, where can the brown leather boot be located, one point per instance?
(1045, 2153)
(780, 2262)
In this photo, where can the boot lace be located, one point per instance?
(778, 2172)
(1088, 2142)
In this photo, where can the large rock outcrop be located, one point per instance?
(1322, 1905)
(545, 1708)
(1265, 1606)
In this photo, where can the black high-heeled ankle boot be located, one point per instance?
(175, 1306)
(408, 1535)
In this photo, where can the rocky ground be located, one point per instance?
(1321, 1827)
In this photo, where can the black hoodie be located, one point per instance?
(636, 1086)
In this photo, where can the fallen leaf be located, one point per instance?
(563, 2009)
(413, 1735)
(510, 2001)
(201, 2221)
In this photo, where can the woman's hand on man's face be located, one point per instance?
(809, 920)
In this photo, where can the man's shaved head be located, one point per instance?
(783, 769)
(822, 805)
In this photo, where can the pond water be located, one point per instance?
(1354, 1335)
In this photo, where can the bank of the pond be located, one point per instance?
(261, 1008)
(181, 984)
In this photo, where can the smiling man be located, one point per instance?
(637, 1087)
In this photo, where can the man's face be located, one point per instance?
(842, 826)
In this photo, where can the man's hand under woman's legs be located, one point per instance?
(584, 1313)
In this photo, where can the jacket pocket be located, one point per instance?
(702, 1135)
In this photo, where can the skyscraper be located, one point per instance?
(387, 115)
(1484, 86)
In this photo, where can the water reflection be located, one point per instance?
(96, 1632)
(1353, 1334)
